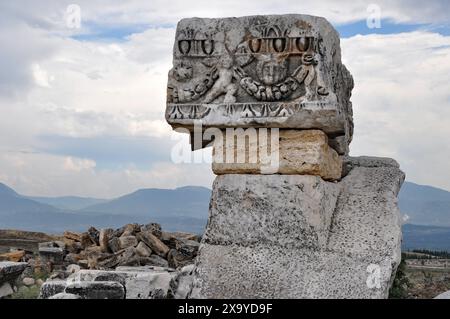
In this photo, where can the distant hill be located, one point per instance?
(190, 201)
(188, 214)
(11, 202)
(425, 205)
(68, 202)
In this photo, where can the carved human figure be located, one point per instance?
(224, 84)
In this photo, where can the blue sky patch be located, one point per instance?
(113, 33)
(387, 27)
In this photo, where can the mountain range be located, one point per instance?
(181, 209)
(425, 209)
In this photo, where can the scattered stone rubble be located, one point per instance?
(134, 262)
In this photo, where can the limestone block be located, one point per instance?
(5, 290)
(293, 236)
(281, 71)
(96, 289)
(127, 241)
(143, 250)
(9, 270)
(156, 245)
(290, 210)
(51, 288)
(139, 282)
(299, 152)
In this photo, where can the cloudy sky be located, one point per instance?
(82, 109)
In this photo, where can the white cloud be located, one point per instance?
(41, 77)
(54, 85)
(78, 165)
(50, 175)
(402, 101)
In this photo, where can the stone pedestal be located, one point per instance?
(292, 236)
(293, 152)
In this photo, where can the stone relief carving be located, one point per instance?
(273, 71)
(269, 65)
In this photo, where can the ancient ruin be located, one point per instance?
(291, 215)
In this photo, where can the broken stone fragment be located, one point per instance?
(9, 271)
(127, 241)
(186, 250)
(96, 289)
(72, 246)
(6, 290)
(14, 256)
(114, 244)
(86, 240)
(104, 237)
(154, 260)
(94, 234)
(156, 245)
(154, 228)
(72, 236)
(131, 230)
(51, 288)
(52, 252)
(143, 250)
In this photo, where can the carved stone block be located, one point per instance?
(281, 71)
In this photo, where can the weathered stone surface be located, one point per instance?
(127, 241)
(291, 210)
(139, 282)
(296, 152)
(154, 228)
(149, 286)
(185, 251)
(63, 295)
(27, 281)
(154, 260)
(72, 246)
(181, 284)
(9, 270)
(51, 288)
(72, 236)
(444, 295)
(301, 237)
(96, 289)
(156, 245)
(86, 240)
(5, 290)
(280, 71)
(104, 237)
(143, 250)
(114, 244)
(73, 268)
(15, 256)
(94, 234)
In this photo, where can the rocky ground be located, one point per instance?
(134, 261)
